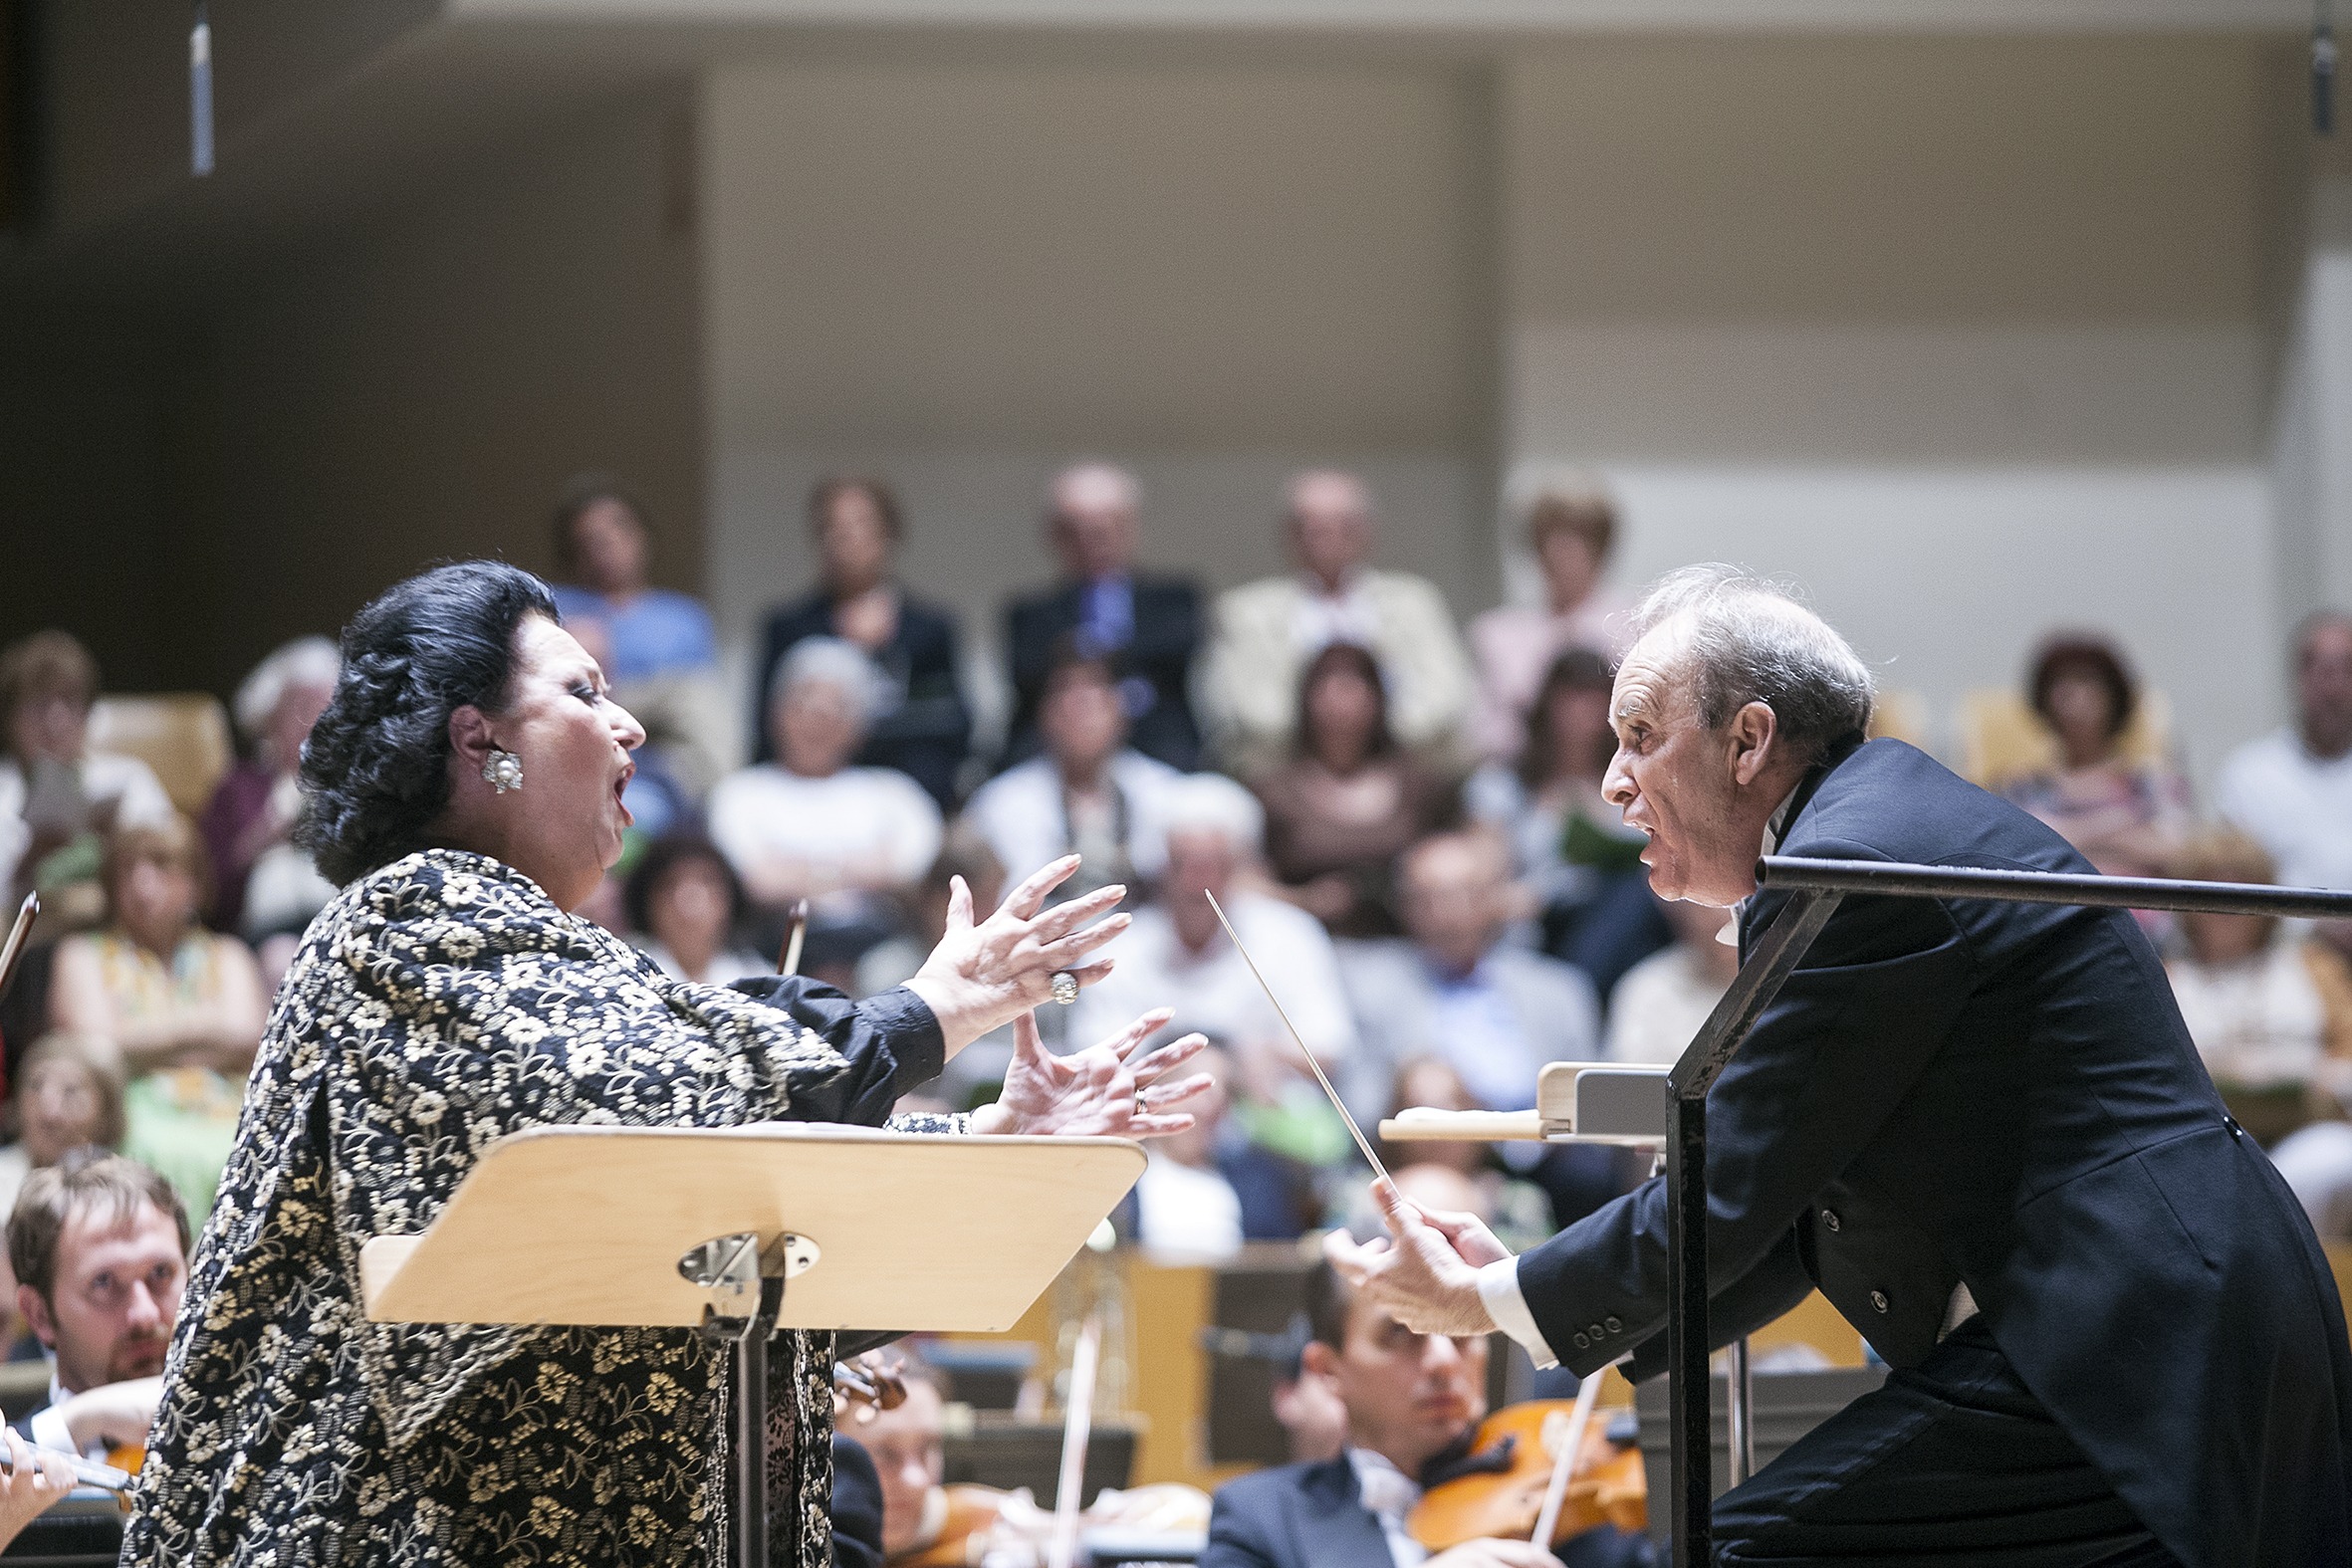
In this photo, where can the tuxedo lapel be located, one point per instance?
(1334, 1529)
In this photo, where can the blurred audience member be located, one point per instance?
(1494, 1013)
(1349, 800)
(69, 1093)
(1571, 534)
(920, 726)
(1176, 954)
(2292, 789)
(1579, 862)
(263, 887)
(1267, 632)
(2128, 817)
(603, 553)
(1148, 626)
(1465, 1178)
(685, 903)
(1662, 1001)
(182, 1005)
(1185, 1204)
(976, 1072)
(809, 826)
(2270, 1010)
(656, 646)
(1087, 792)
(58, 798)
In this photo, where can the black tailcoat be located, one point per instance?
(1962, 1090)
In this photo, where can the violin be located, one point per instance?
(1606, 1484)
(966, 1524)
(980, 1524)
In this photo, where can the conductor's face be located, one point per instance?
(1701, 795)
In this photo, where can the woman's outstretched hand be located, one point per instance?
(986, 973)
(1102, 1091)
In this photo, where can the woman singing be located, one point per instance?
(465, 784)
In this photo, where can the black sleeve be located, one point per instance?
(1764, 1294)
(856, 1507)
(1851, 1030)
(890, 1040)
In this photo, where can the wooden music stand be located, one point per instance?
(694, 1228)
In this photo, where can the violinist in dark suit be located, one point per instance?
(1146, 627)
(924, 730)
(1978, 1127)
(1413, 1402)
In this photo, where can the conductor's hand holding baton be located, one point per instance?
(1424, 1273)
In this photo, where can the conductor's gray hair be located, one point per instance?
(1747, 639)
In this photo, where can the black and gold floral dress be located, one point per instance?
(439, 1003)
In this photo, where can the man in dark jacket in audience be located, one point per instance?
(1146, 627)
(1978, 1127)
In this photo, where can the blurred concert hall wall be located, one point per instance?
(1976, 318)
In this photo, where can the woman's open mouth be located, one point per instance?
(620, 787)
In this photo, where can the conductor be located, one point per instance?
(1978, 1127)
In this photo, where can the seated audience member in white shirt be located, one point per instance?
(1495, 1013)
(1184, 1205)
(1659, 1006)
(2291, 790)
(1087, 792)
(1413, 1402)
(1176, 955)
(809, 826)
(684, 904)
(100, 1247)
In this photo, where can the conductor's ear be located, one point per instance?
(1754, 729)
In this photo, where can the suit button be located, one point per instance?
(2231, 1122)
(1581, 1342)
(1613, 1324)
(1878, 1299)
(1829, 1218)
(1594, 1330)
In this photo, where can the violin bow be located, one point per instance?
(13, 954)
(1077, 1422)
(1353, 1131)
(1564, 1463)
(789, 961)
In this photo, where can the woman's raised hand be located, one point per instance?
(986, 973)
(1103, 1091)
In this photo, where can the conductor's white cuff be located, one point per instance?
(1498, 1287)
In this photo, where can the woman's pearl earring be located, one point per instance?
(503, 771)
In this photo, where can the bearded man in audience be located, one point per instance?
(1413, 1403)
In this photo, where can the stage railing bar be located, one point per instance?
(1691, 1423)
(1797, 873)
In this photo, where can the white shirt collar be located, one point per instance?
(1775, 826)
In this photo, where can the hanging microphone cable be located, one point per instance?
(200, 93)
(2323, 69)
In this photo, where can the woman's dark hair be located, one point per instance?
(832, 487)
(375, 769)
(667, 855)
(1578, 669)
(1357, 660)
(2083, 653)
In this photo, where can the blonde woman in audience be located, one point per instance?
(2128, 816)
(2270, 1010)
(57, 797)
(184, 1006)
(809, 824)
(1661, 1002)
(1571, 533)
